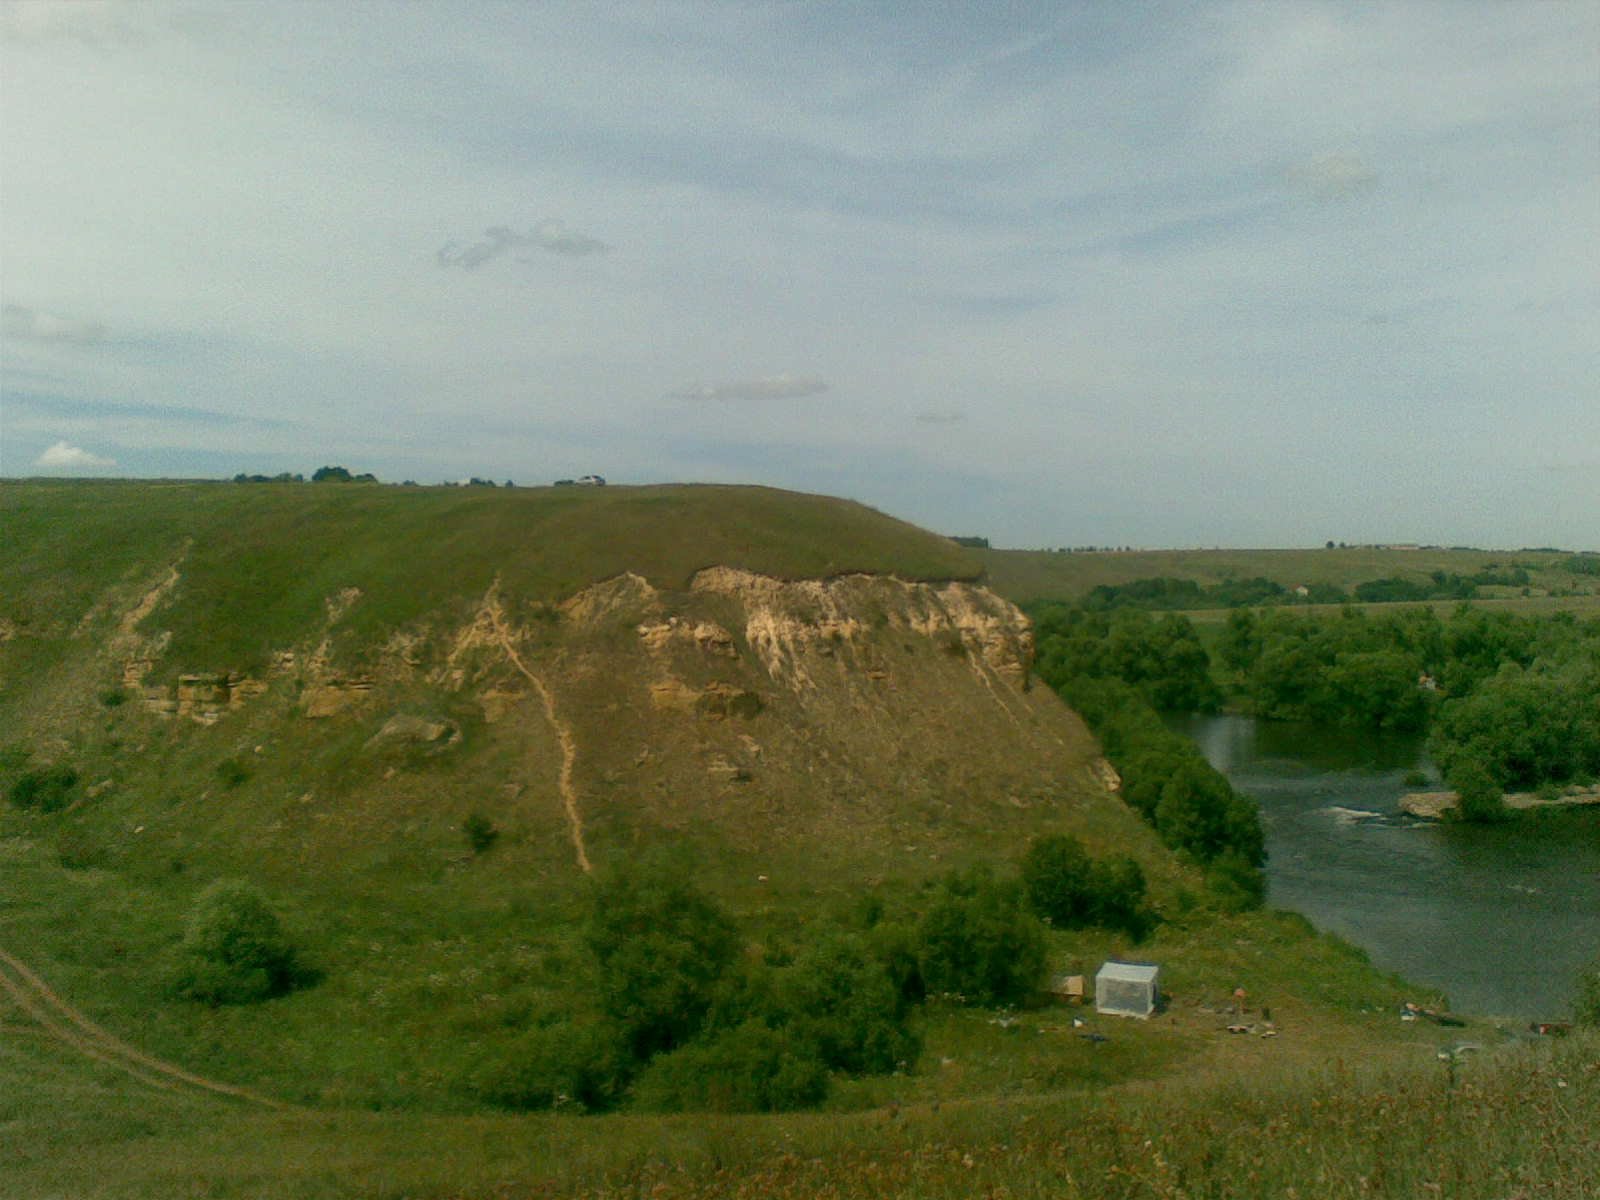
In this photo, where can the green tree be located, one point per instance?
(751, 1067)
(663, 947)
(1056, 876)
(48, 789)
(1378, 688)
(979, 942)
(583, 1063)
(1120, 895)
(1479, 794)
(1241, 641)
(234, 948)
(838, 997)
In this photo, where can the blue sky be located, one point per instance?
(1146, 274)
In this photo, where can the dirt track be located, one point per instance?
(60, 1021)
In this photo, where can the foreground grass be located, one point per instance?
(1519, 1121)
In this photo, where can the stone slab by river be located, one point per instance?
(1499, 918)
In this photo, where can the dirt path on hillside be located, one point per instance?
(65, 1024)
(563, 732)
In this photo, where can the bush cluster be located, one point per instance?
(684, 1021)
(45, 789)
(979, 942)
(1070, 890)
(234, 949)
(1161, 657)
(1166, 779)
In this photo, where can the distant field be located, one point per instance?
(1587, 605)
(1024, 575)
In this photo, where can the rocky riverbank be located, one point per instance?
(1433, 806)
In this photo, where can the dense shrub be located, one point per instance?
(751, 1067)
(662, 947)
(978, 941)
(1120, 896)
(1235, 884)
(1164, 775)
(1161, 658)
(1056, 879)
(1478, 793)
(480, 833)
(582, 1063)
(1070, 890)
(1525, 726)
(234, 949)
(47, 789)
(840, 999)
(232, 772)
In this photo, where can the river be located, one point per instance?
(1500, 918)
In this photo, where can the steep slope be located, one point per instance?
(874, 707)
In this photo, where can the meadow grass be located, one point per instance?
(1379, 1121)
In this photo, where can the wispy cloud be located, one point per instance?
(1331, 176)
(29, 324)
(63, 456)
(56, 408)
(553, 236)
(767, 387)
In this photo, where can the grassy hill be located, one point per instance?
(260, 560)
(314, 687)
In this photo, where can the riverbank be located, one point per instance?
(1436, 806)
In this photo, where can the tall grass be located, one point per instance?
(1518, 1122)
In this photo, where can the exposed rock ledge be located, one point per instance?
(1432, 806)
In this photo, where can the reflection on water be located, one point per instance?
(1501, 919)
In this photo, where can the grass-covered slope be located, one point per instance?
(259, 561)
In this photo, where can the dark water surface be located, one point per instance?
(1501, 919)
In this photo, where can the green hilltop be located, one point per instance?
(259, 560)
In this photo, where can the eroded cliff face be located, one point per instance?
(858, 706)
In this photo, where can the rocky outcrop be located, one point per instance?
(787, 622)
(409, 731)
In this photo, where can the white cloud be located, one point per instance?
(767, 387)
(63, 456)
(552, 235)
(32, 325)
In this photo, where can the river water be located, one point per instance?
(1501, 919)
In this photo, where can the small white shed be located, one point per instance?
(1127, 989)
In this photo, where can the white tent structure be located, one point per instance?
(1127, 989)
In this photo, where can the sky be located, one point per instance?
(1057, 274)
